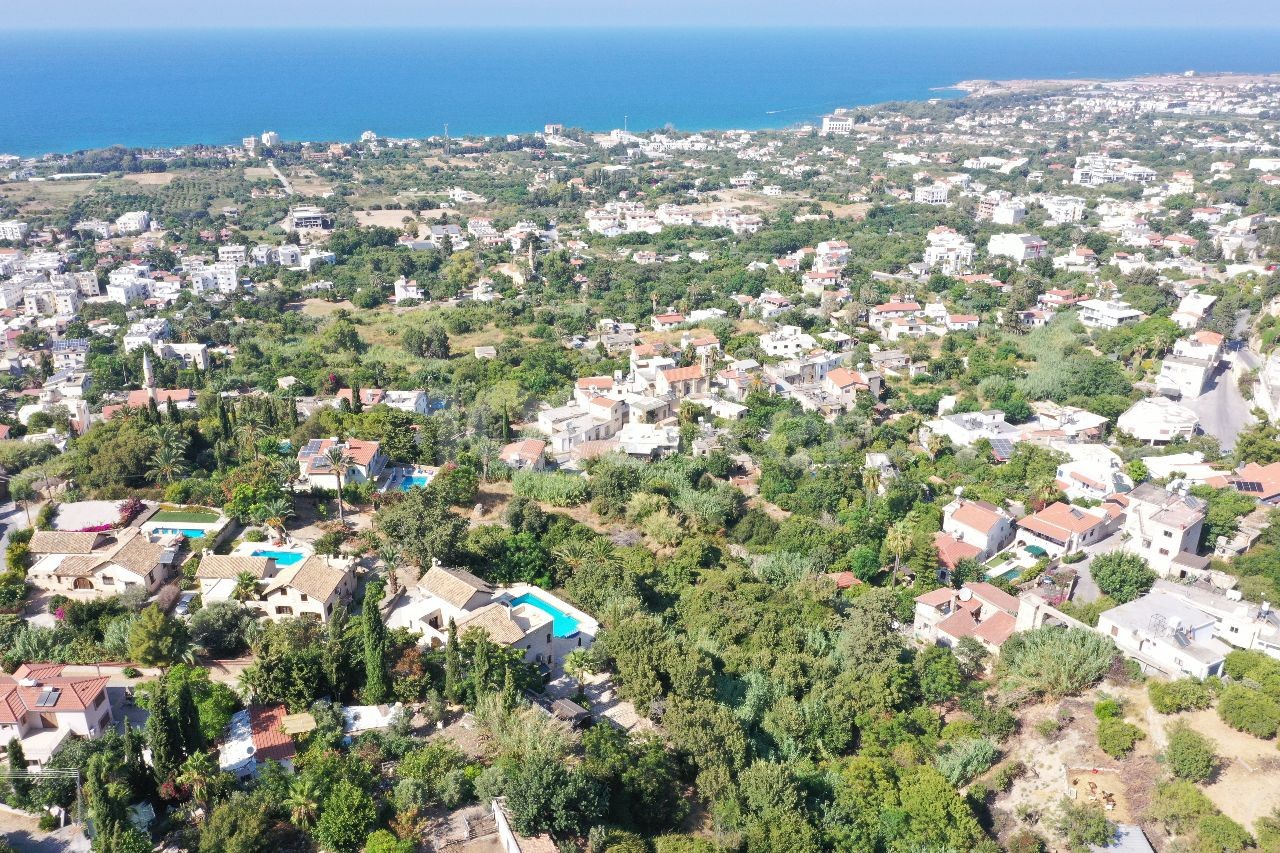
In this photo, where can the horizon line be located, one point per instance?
(390, 26)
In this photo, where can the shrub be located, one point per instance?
(1051, 661)
(965, 759)
(255, 535)
(1220, 834)
(1048, 727)
(1117, 738)
(46, 515)
(1083, 825)
(1006, 773)
(1122, 576)
(1108, 709)
(1190, 755)
(1180, 806)
(556, 489)
(1185, 694)
(1025, 841)
(1248, 710)
(17, 558)
(131, 672)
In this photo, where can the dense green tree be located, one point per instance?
(346, 816)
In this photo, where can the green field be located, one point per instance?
(180, 516)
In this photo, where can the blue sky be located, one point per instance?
(117, 14)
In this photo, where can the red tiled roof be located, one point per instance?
(977, 516)
(269, 739)
(74, 694)
(680, 374)
(843, 377)
(530, 449)
(951, 550)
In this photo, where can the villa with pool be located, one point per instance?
(521, 616)
(292, 580)
(195, 523)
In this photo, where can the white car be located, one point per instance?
(183, 607)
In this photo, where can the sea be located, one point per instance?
(67, 91)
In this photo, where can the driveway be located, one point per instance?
(1086, 591)
(1222, 409)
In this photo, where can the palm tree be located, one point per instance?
(898, 541)
(277, 510)
(246, 587)
(577, 664)
(251, 427)
(871, 481)
(1045, 491)
(199, 773)
(303, 801)
(340, 462)
(167, 465)
(392, 559)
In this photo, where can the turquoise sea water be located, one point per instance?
(68, 91)
(562, 624)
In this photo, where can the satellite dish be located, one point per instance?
(966, 594)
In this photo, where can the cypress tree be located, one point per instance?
(375, 645)
(452, 665)
(163, 735)
(18, 764)
(188, 720)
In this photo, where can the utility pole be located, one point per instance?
(446, 139)
(624, 122)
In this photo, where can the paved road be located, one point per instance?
(288, 188)
(13, 518)
(1222, 409)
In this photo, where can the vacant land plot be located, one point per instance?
(150, 179)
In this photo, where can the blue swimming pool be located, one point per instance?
(415, 481)
(188, 532)
(282, 558)
(562, 624)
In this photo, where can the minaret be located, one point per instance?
(148, 376)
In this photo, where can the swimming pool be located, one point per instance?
(562, 624)
(415, 481)
(188, 532)
(282, 558)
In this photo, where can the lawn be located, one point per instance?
(186, 516)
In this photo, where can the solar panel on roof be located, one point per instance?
(48, 698)
(1002, 447)
(1248, 486)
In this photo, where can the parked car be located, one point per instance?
(183, 607)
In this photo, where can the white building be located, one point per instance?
(1107, 314)
(1162, 526)
(837, 125)
(1157, 420)
(133, 222)
(1018, 247)
(948, 252)
(786, 341)
(935, 194)
(13, 230)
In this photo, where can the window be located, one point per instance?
(548, 638)
(1146, 543)
(98, 701)
(284, 611)
(1164, 552)
(1115, 630)
(303, 596)
(1168, 534)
